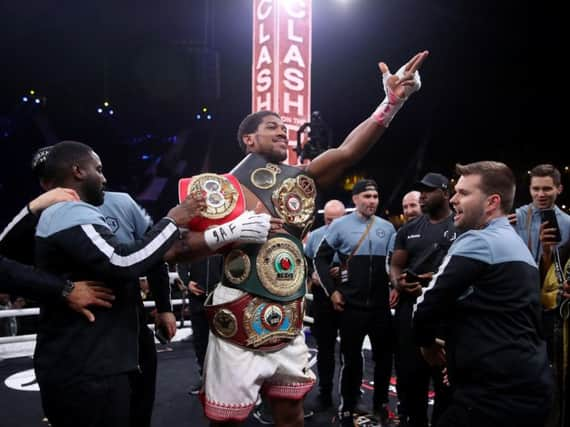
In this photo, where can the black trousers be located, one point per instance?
(200, 328)
(88, 402)
(143, 382)
(325, 330)
(414, 373)
(355, 324)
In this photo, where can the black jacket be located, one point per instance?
(74, 241)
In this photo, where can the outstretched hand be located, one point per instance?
(190, 207)
(406, 80)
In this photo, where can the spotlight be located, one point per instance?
(106, 109)
(209, 117)
(198, 116)
(25, 99)
(204, 110)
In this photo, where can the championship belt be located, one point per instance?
(256, 323)
(285, 191)
(294, 201)
(277, 269)
(223, 195)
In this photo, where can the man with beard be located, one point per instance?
(263, 283)
(360, 240)
(419, 249)
(84, 370)
(128, 222)
(487, 295)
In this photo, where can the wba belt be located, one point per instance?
(256, 323)
(275, 270)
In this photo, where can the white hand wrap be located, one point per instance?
(392, 103)
(249, 227)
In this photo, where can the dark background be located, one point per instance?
(493, 87)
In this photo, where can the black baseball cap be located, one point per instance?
(433, 181)
(364, 185)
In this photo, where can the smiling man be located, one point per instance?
(545, 187)
(256, 342)
(486, 292)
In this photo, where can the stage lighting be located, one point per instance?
(198, 116)
(34, 98)
(106, 109)
(209, 117)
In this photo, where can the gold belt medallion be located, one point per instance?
(266, 177)
(294, 200)
(237, 266)
(225, 323)
(220, 195)
(281, 266)
(266, 322)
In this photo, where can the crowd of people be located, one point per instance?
(464, 294)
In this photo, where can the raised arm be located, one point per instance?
(330, 165)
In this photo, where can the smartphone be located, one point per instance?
(550, 216)
(160, 336)
(413, 277)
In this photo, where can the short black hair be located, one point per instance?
(62, 157)
(39, 161)
(250, 125)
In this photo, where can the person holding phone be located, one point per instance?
(419, 249)
(545, 187)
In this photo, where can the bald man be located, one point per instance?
(325, 328)
(411, 205)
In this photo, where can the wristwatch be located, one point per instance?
(67, 288)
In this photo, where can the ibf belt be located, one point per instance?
(276, 269)
(256, 323)
(222, 193)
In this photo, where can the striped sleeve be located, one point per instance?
(95, 248)
(451, 282)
